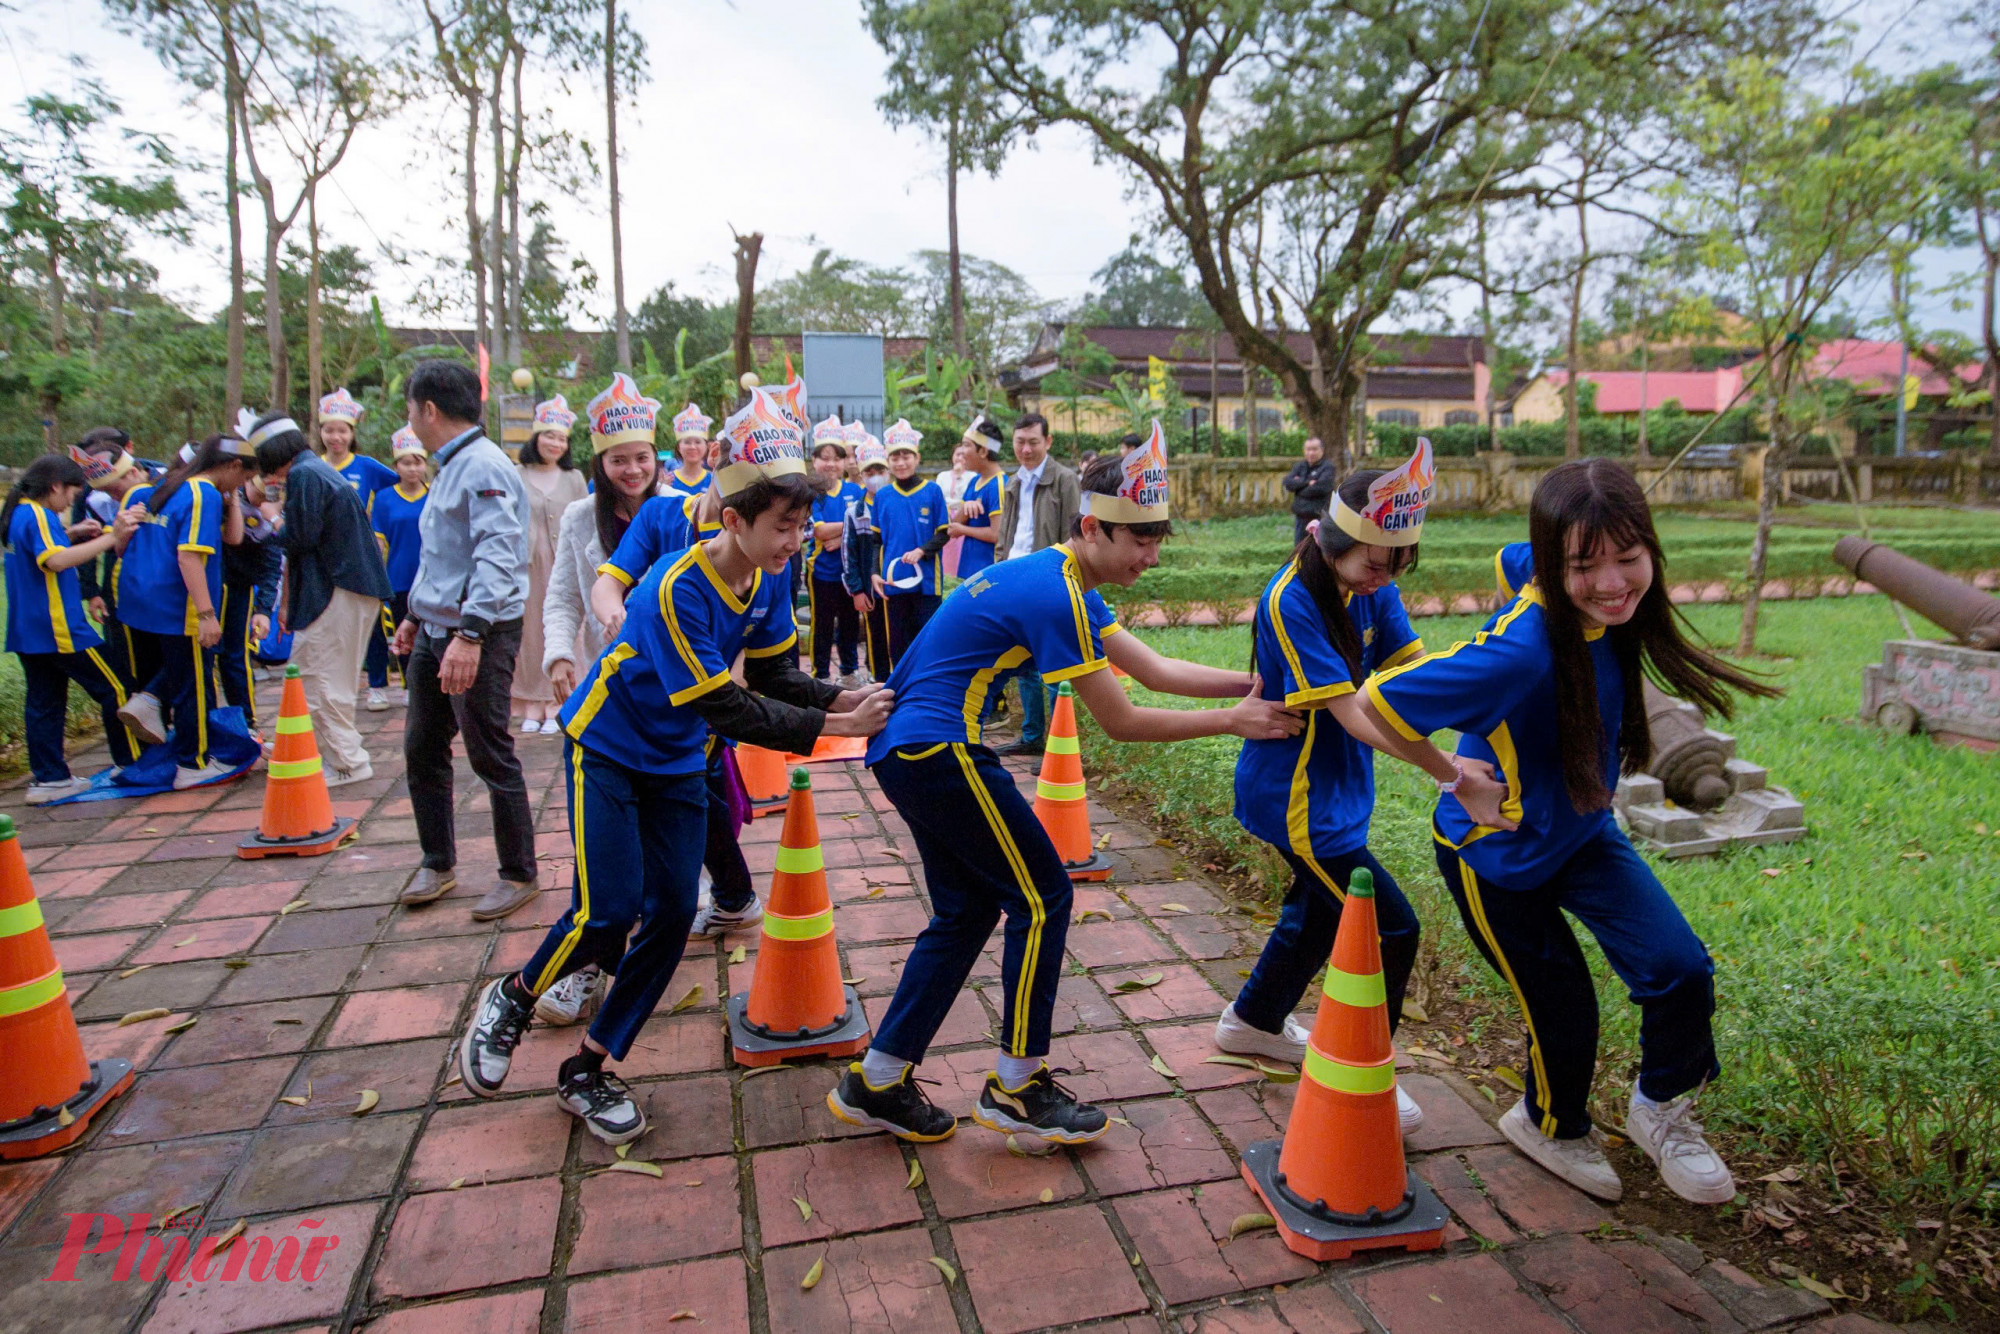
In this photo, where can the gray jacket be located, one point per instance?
(1058, 499)
(474, 568)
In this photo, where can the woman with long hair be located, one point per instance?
(1550, 691)
(1325, 621)
(46, 627)
(553, 485)
(170, 587)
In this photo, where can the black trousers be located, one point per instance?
(908, 613)
(232, 652)
(375, 662)
(721, 853)
(133, 654)
(45, 710)
(835, 624)
(875, 637)
(185, 687)
(480, 716)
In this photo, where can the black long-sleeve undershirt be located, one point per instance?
(783, 710)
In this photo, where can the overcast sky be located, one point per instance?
(760, 115)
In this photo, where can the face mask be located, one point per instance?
(875, 481)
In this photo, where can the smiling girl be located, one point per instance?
(1549, 692)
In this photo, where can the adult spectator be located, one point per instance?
(463, 634)
(552, 484)
(1310, 481)
(1042, 498)
(334, 587)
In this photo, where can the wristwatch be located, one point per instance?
(472, 637)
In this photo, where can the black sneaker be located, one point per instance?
(604, 1105)
(1038, 1106)
(1028, 748)
(487, 1050)
(902, 1109)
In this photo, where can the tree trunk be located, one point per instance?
(476, 251)
(232, 199)
(1486, 337)
(747, 250)
(1991, 337)
(1775, 460)
(59, 344)
(1250, 373)
(496, 228)
(1573, 420)
(315, 364)
(617, 225)
(514, 283)
(957, 281)
(274, 314)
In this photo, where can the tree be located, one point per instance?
(1001, 311)
(663, 316)
(1794, 195)
(1134, 288)
(553, 282)
(1367, 132)
(838, 295)
(624, 63)
(69, 219)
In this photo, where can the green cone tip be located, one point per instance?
(291, 670)
(801, 780)
(1064, 689)
(1361, 885)
(6, 827)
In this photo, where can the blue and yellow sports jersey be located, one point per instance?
(683, 628)
(366, 475)
(1498, 690)
(1312, 793)
(974, 555)
(832, 508)
(679, 486)
(395, 516)
(44, 606)
(1026, 614)
(909, 518)
(1513, 568)
(663, 525)
(151, 594)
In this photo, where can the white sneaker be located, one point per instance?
(530, 726)
(185, 778)
(574, 998)
(342, 777)
(1578, 1161)
(1407, 1112)
(377, 700)
(1240, 1039)
(711, 921)
(141, 713)
(41, 794)
(399, 697)
(1673, 1139)
(551, 726)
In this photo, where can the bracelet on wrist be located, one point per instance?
(1458, 776)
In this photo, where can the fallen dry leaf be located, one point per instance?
(64, 1117)
(1089, 913)
(1175, 907)
(634, 1165)
(876, 892)
(178, 944)
(1249, 1223)
(1164, 1068)
(1819, 1289)
(300, 1101)
(1141, 983)
(184, 1025)
(235, 963)
(1278, 1074)
(1413, 1009)
(944, 1267)
(369, 1097)
(805, 1210)
(288, 1021)
(222, 1242)
(1047, 1195)
(1243, 1061)
(132, 972)
(853, 981)
(689, 1001)
(141, 1016)
(291, 907)
(916, 1175)
(685, 1314)
(166, 1219)
(812, 1275)
(739, 954)
(456, 1182)
(1511, 1077)
(623, 1151)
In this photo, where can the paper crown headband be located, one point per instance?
(869, 453)
(983, 432)
(789, 399)
(691, 423)
(254, 435)
(762, 439)
(405, 441)
(621, 415)
(339, 406)
(1142, 485)
(902, 437)
(1393, 515)
(98, 470)
(830, 432)
(854, 433)
(553, 415)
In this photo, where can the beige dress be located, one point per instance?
(550, 492)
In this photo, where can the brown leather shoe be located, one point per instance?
(427, 886)
(506, 897)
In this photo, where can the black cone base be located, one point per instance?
(848, 1036)
(1420, 1227)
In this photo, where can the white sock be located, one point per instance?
(879, 1069)
(1015, 1070)
(1639, 1099)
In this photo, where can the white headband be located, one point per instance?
(276, 426)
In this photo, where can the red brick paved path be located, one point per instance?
(456, 1214)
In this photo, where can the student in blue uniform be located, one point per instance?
(861, 557)
(105, 456)
(835, 624)
(394, 512)
(250, 572)
(985, 854)
(979, 507)
(689, 475)
(170, 587)
(911, 515)
(636, 728)
(339, 417)
(1550, 693)
(46, 627)
(1326, 620)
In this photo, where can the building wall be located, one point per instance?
(1541, 401)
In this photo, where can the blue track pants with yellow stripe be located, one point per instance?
(185, 687)
(985, 855)
(638, 842)
(45, 709)
(1649, 945)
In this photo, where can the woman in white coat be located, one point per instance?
(622, 481)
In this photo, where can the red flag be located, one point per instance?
(485, 368)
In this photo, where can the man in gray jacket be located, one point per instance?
(463, 634)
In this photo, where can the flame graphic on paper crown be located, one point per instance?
(829, 432)
(853, 434)
(405, 441)
(691, 423)
(1142, 485)
(621, 415)
(339, 406)
(903, 436)
(763, 439)
(1393, 515)
(553, 415)
(97, 469)
(789, 400)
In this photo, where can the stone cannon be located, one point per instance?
(1967, 614)
(1696, 796)
(1687, 758)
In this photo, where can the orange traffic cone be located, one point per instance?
(48, 1091)
(1060, 803)
(1338, 1184)
(298, 815)
(763, 778)
(797, 1005)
